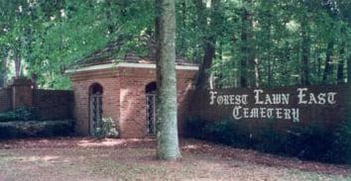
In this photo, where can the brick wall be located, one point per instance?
(133, 99)
(53, 104)
(328, 115)
(5, 99)
(49, 104)
(124, 97)
(81, 86)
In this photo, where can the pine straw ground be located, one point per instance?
(68, 159)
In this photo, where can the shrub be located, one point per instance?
(228, 132)
(268, 139)
(8, 116)
(194, 128)
(225, 132)
(107, 128)
(341, 152)
(21, 129)
(19, 114)
(311, 142)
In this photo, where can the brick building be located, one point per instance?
(125, 92)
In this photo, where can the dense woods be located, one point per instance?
(238, 43)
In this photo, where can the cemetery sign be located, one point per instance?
(288, 104)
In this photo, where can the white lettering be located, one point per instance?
(246, 112)
(321, 98)
(263, 112)
(331, 97)
(212, 97)
(257, 96)
(295, 115)
(244, 99)
(279, 113)
(285, 98)
(269, 112)
(301, 95)
(287, 114)
(236, 112)
(313, 99)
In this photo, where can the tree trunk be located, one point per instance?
(203, 76)
(3, 74)
(305, 45)
(340, 72)
(166, 101)
(18, 65)
(182, 44)
(109, 14)
(247, 75)
(328, 61)
(244, 49)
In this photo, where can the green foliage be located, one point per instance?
(311, 142)
(19, 114)
(226, 132)
(341, 151)
(107, 129)
(23, 129)
(260, 42)
(194, 128)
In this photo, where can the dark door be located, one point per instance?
(150, 113)
(95, 113)
(95, 109)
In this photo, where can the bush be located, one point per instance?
(267, 139)
(19, 114)
(22, 129)
(341, 152)
(229, 133)
(8, 116)
(312, 142)
(194, 128)
(225, 132)
(108, 129)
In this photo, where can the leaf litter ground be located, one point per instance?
(134, 159)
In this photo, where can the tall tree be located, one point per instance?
(305, 46)
(248, 58)
(3, 69)
(166, 101)
(210, 30)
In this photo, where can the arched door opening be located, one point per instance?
(95, 108)
(150, 92)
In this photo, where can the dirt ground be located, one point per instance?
(68, 159)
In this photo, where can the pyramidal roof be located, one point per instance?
(109, 53)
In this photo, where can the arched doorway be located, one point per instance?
(150, 92)
(95, 108)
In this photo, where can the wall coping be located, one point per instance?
(128, 65)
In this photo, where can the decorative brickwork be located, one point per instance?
(124, 98)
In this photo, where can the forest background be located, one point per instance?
(238, 43)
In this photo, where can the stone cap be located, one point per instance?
(21, 81)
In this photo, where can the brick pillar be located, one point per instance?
(22, 93)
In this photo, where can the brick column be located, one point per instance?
(22, 93)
